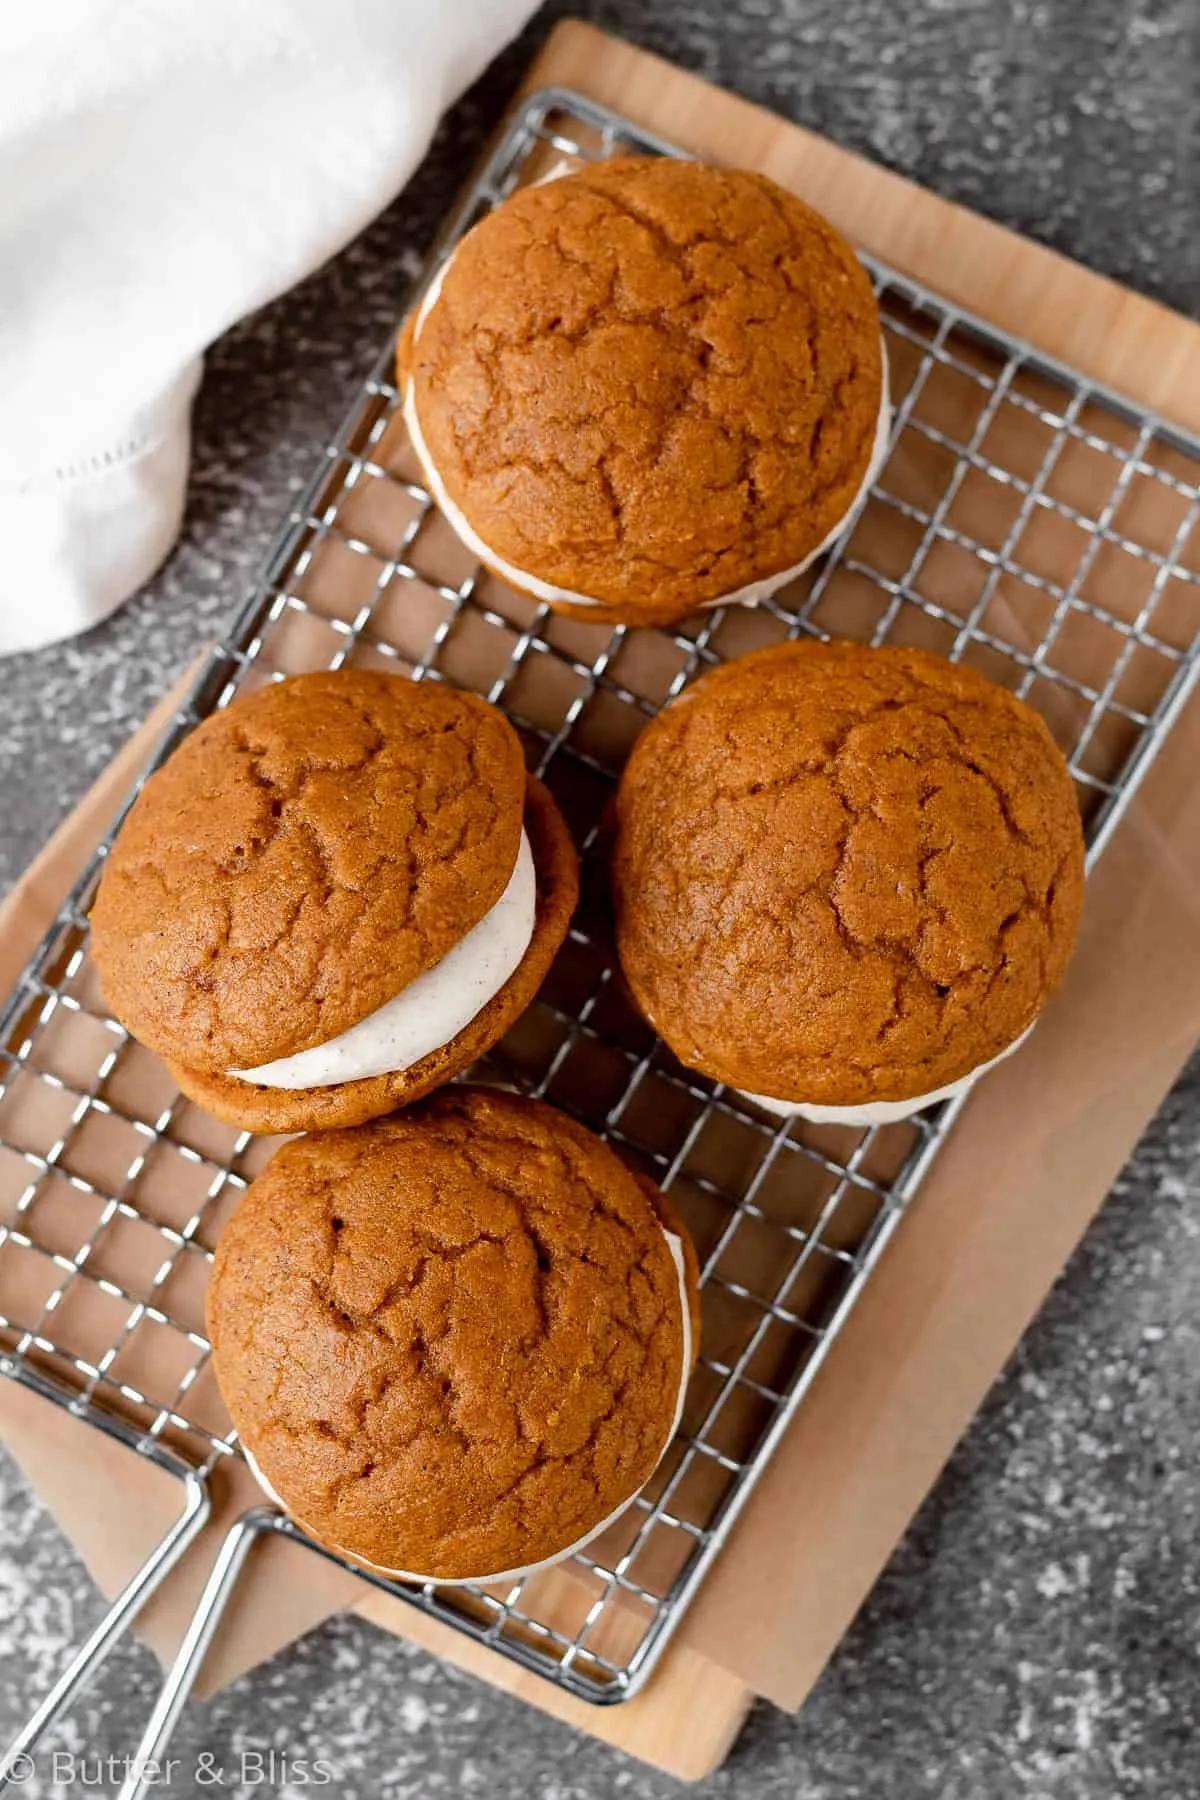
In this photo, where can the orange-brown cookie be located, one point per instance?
(453, 1342)
(345, 1103)
(647, 387)
(302, 860)
(845, 875)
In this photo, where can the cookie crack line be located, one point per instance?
(582, 1452)
(517, 1414)
(928, 872)
(299, 859)
(907, 955)
(762, 492)
(681, 333)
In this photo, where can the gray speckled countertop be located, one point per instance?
(1037, 1634)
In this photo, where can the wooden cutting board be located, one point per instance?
(686, 1719)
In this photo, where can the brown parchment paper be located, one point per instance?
(1025, 1170)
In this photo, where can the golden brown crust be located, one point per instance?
(650, 382)
(301, 857)
(345, 1103)
(451, 1340)
(845, 874)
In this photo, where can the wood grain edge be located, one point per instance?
(684, 1721)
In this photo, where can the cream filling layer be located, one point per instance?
(547, 1562)
(750, 595)
(431, 1010)
(879, 1112)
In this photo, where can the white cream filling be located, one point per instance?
(879, 1112)
(431, 1010)
(547, 1562)
(750, 595)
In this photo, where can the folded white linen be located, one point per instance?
(164, 170)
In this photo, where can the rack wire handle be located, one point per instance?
(112, 1627)
(181, 1676)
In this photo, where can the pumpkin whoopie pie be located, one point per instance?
(334, 895)
(647, 387)
(454, 1342)
(846, 879)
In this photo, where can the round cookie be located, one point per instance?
(342, 1103)
(453, 1342)
(844, 877)
(647, 387)
(301, 860)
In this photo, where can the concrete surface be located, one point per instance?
(1037, 1635)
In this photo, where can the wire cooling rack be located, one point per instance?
(1026, 521)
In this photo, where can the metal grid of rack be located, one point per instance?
(1025, 521)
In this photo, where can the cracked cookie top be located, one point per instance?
(651, 382)
(300, 858)
(451, 1340)
(845, 874)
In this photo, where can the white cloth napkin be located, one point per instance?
(165, 168)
